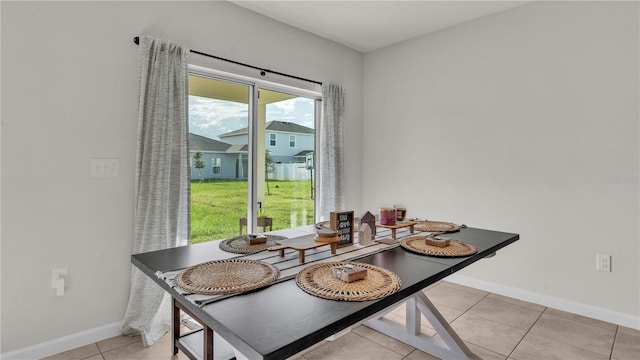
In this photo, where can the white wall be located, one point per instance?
(69, 93)
(525, 121)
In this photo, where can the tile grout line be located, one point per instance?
(493, 351)
(100, 351)
(393, 351)
(584, 324)
(613, 344)
(474, 304)
(527, 333)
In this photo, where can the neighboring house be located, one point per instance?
(221, 160)
(287, 142)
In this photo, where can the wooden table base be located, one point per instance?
(400, 225)
(178, 344)
(303, 244)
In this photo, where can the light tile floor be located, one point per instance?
(492, 326)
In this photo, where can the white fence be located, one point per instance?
(297, 171)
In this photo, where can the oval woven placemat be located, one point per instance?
(436, 226)
(239, 245)
(419, 245)
(318, 280)
(228, 276)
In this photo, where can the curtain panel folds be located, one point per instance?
(331, 172)
(161, 179)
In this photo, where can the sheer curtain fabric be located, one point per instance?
(161, 179)
(331, 151)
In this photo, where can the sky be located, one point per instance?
(211, 117)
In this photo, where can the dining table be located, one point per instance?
(281, 319)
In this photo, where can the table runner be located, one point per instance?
(289, 265)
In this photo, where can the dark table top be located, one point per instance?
(282, 320)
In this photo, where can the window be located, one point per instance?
(237, 131)
(216, 165)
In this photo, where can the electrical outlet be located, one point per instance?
(603, 262)
(58, 273)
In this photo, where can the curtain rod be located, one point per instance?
(263, 72)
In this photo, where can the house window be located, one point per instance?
(216, 165)
(292, 141)
(272, 139)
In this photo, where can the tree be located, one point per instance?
(198, 164)
(269, 167)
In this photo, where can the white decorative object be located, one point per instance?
(364, 234)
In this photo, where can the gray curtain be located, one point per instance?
(331, 189)
(161, 179)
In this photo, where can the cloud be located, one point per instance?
(298, 110)
(212, 117)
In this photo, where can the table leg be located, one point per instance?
(207, 332)
(450, 347)
(175, 325)
(281, 252)
(334, 248)
(301, 256)
(393, 234)
(208, 343)
(411, 228)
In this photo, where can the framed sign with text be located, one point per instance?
(342, 222)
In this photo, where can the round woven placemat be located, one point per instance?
(436, 226)
(454, 249)
(318, 280)
(239, 245)
(228, 276)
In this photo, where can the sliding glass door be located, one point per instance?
(287, 138)
(219, 168)
(252, 153)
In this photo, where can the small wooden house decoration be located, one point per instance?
(370, 220)
(364, 235)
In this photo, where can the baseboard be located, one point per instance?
(549, 301)
(64, 343)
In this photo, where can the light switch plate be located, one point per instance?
(104, 167)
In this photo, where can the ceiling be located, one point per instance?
(230, 91)
(367, 25)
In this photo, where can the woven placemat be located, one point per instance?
(436, 226)
(239, 245)
(318, 280)
(455, 248)
(228, 276)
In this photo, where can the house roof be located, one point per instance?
(303, 153)
(238, 148)
(288, 127)
(274, 125)
(202, 143)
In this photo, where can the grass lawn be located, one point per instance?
(217, 206)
